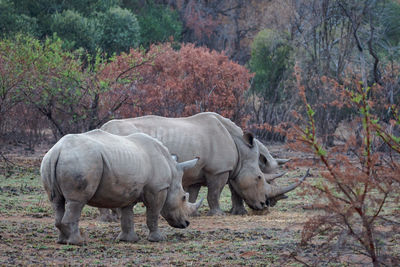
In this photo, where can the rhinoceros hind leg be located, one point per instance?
(215, 184)
(127, 228)
(193, 191)
(70, 223)
(59, 210)
(107, 216)
(237, 203)
(116, 213)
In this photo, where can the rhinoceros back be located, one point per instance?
(201, 135)
(103, 169)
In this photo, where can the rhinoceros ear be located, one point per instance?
(263, 161)
(248, 139)
(187, 164)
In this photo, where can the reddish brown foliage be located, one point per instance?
(57, 90)
(358, 184)
(182, 82)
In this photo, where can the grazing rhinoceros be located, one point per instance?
(109, 171)
(226, 155)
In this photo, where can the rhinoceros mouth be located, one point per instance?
(181, 225)
(253, 207)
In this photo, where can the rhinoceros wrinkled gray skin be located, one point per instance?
(227, 155)
(109, 171)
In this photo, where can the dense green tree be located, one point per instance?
(158, 24)
(120, 30)
(76, 30)
(109, 25)
(390, 24)
(270, 60)
(90, 7)
(12, 22)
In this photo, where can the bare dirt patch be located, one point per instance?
(218, 241)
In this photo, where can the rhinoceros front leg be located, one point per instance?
(215, 184)
(193, 191)
(237, 203)
(154, 203)
(127, 228)
(69, 225)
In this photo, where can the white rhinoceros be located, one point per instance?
(109, 171)
(226, 155)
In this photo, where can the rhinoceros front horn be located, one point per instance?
(195, 206)
(282, 161)
(187, 164)
(199, 203)
(275, 191)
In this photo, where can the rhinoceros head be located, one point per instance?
(177, 207)
(249, 180)
(268, 163)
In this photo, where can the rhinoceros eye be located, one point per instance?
(184, 197)
(259, 177)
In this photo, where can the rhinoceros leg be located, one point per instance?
(237, 203)
(193, 191)
(59, 209)
(154, 203)
(215, 184)
(69, 225)
(127, 228)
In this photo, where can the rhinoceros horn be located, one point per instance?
(193, 207)
(187, 164)
(282, 161)
(275, 191)
(270, 177)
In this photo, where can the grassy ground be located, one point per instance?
(28, 235)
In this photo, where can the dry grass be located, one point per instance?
(28, 235)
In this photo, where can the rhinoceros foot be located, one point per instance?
(216, 212)
(76, 236)
(62, 239)
(156, 237)
(128, 237)
(75, 239)
(238, 211)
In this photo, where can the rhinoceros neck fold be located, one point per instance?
(238, 166)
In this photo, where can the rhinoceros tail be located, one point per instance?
(48, 174)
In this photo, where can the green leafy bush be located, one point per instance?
(76, 30)
(11, 22)
(89, 7)
(270, 60)
(158, 24)
(120, 30)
